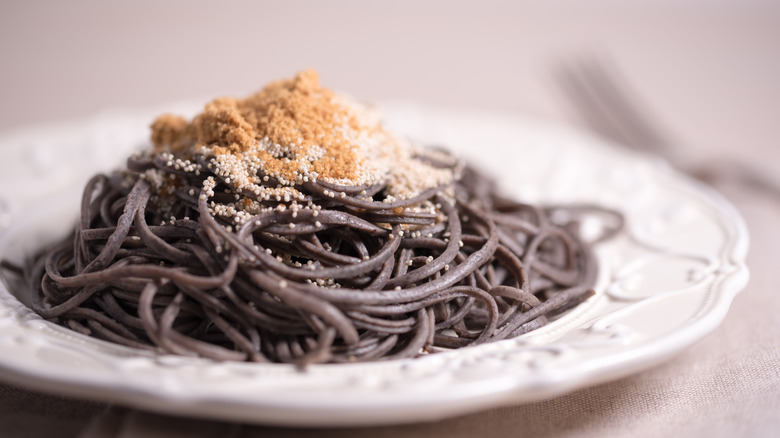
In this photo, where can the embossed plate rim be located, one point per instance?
(587, 346)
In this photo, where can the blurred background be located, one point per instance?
(707, 69)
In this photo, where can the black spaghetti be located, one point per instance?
(169, 257)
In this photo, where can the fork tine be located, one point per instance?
(578, 94)
(612, 86)
(604, 102)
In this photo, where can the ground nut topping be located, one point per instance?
(294, 131)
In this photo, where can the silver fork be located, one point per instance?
(606, 104)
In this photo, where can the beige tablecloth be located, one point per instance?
(708, 70)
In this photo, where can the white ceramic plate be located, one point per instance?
(664, 283)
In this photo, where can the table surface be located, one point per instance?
(709, 72)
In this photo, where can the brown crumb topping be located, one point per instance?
(295, 130)
(170, 132)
